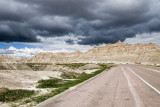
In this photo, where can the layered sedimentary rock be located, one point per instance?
(110, 53)
(7, 59)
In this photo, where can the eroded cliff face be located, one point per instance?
(7, 59)
(111, 53)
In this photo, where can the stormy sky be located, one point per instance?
(81, 22)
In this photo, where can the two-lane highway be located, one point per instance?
(121, 86)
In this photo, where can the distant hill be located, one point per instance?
(110, 53)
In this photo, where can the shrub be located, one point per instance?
(50, 83)
(38, 66)
(70, 75)
(73, 65)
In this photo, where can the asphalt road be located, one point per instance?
(121, 86)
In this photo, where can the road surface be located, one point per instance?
(121, 86)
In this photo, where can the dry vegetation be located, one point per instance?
(38, 66)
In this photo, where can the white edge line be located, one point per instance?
(136, 97)
(145, 81)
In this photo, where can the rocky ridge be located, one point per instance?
(110, 53)
(7, 59)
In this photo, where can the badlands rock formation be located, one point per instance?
(7, 59)
(110, 53)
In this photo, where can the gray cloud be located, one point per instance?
(69, 41)
(16, 32)
(97, 21)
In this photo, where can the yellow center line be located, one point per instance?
(154, 70)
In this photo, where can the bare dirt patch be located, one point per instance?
(15, 79)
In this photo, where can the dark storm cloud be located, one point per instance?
(97, 21)
(107, 36)
(69, 41)
(74, 8)
(16, 32)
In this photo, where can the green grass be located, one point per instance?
(138, 63)
(72, 75)
(38, 66)
(73, 65)
(14, 95)
(62, 85)
(154, 65)
(50, 83)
